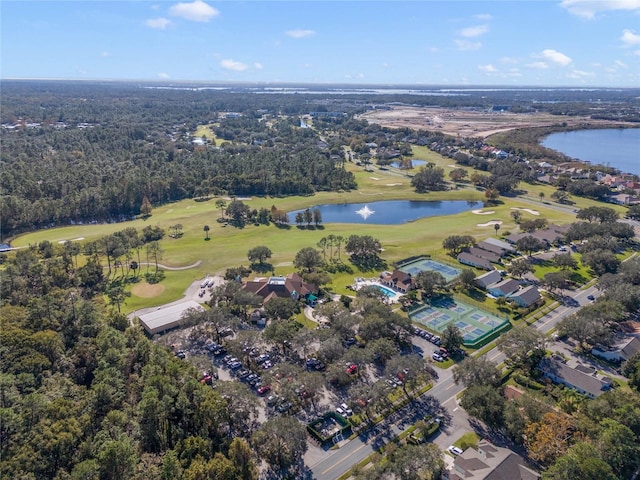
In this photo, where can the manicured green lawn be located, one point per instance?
(229, 245)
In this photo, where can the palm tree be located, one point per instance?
(338, 241)
(206, 231)
(323, 245)
(221, 204)
(497, 227)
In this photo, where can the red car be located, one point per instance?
(264, 389)
(352, 369)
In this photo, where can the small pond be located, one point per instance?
(389, 212)
(414, 163)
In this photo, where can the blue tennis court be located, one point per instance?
(425, 264)
(474, 323)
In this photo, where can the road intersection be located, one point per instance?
(351, 452)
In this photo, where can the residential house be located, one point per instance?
(504, 288)
(489, 278)
(399, 280)
(506, 248)
(291, 286)
(619, 351)
(527, 296)
(580, 381)
(473, 261)
(487, 255)
(621, 199)
(490, 462)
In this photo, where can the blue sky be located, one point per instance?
(500, 42)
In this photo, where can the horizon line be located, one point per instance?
(165, 81)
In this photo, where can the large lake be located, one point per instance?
(618, 148)
(390, 212)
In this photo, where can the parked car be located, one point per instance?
(181, 354)
(264, 389)
(437, 357)
(455, 450)
(346, 409)
(352, 369)
(284, 407)
(263, 358)
(591, 298)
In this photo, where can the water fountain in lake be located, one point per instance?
(365, 212)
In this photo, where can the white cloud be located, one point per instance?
(620, 64)
(538, 65)
(257, 66)
(509, 60)
(159, 23)
(300, 33)
(579, 74)
(629, 38)
(197, 11)
(355, 76)
(234, 65)
(636, 52)
(466, 45)
(589, 8)
(163, 75)
(487, 68)
(474, 31)
(553, 56)
(483, 16)
(105, 54)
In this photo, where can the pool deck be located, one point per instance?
(362, 282)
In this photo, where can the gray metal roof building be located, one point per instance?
(166, 318)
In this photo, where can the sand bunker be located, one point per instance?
(528, 210)
(393, 184)
(480, 212)
(374, 178)
(147, 290)
(492, 222)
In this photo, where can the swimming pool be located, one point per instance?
(387, 291)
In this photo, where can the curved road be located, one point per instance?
(337, 462)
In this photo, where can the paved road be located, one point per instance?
(338, 462)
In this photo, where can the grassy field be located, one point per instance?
(228, 245)
(206, 132)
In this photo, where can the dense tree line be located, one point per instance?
(108, 155)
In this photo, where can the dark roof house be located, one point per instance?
(486, 254)
(619, 351)
(527, 296)
(490, 462)
(291, 286)
(489, 278)
(581, 382)
(504, 288)
(400, 280)
(473, 261)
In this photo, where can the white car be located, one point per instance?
(346, 409)
(437, 357)
(455, 450)
(340, 411)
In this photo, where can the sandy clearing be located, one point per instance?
(480, 212)
(147, 290)
(528, 210)
(77, 239)
(492, 222)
